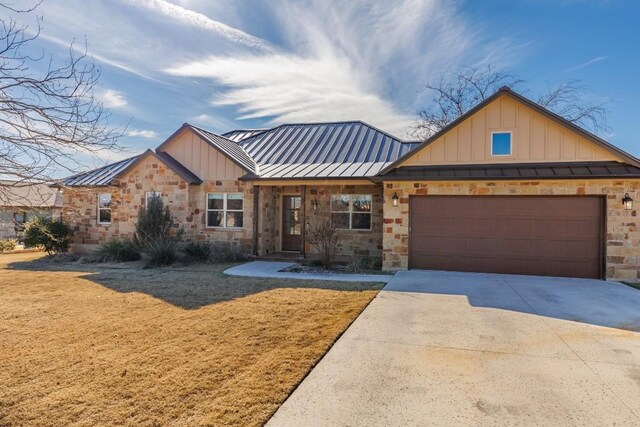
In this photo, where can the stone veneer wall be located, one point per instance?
(187, 204)
(354, 243)
(622, 235)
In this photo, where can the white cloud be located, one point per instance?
(143, 133)
(112, 98)
(589, 62)
(192, 18)
(349, 60)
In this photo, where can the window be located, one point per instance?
(20, 217)
(148, 195)
(224, 210)
(351, 211)
(104, 208)
(501, 143)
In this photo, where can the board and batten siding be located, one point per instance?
(535, 139)
(201, 158)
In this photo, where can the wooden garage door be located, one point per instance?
(547, 236)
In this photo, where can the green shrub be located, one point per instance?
(7, 244)
(160, 252)
(116, 250)
(198, 251)
(155, 224)
(228, 252)
(53, 235)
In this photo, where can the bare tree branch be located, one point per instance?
(457, 93)
(49, 117)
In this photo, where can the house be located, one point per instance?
(20, 201)
(509, 187)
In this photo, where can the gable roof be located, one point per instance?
(229, 148)
(506, 91)
(17, 194)
(351, 149)
(107, 175)
(100, 176)
(240, 134)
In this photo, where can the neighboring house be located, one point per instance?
(20, 201)
(509, 187)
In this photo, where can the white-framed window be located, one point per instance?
(225, 210)
(351, 211)
(104, 208)
(501, 143)
(148, 195)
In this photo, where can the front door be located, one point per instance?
(291, 224)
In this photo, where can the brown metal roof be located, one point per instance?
(567, 170)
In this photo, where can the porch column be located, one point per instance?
(303, 218)
(256, 212)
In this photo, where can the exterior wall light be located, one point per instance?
(314, 203)
(627, 202)
(395, 199)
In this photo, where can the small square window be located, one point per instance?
(501, 144)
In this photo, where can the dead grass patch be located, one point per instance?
(93, 345)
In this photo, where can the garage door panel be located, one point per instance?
(558, 236)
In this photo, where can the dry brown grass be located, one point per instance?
(89, 345)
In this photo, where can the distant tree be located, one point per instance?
(458, 92)
(48, 114)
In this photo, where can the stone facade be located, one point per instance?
(187, 204)
(355, 243)
(622, 236)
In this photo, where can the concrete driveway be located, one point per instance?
(438, 348)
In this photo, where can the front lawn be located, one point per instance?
(104, 345)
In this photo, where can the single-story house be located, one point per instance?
(509, 187)
(21, 201)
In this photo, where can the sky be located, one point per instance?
(233, 64)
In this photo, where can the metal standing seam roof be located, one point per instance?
(230, 148)
(323, 150)
(240, 134)
(570, 170)
(101, 176)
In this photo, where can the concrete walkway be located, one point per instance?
(436, 348)
(272, 269)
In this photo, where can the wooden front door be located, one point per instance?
(291, 223)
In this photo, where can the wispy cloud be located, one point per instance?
(143, 133)
(589, 62)
(348, 60)
(192, 18)
(112, 98)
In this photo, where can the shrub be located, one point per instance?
(116, 250)
(363, 264)
(160, 252)
(227, 252)
(323, 234)
(198, 251)
(53, 235)
(7, 244)
(155, 224)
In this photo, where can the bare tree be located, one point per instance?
(457, 93)
(49, 118)
(324, 235)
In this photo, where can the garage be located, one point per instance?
(533, 235)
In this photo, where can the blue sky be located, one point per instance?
(242, 64)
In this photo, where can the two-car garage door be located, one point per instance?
(537, 235)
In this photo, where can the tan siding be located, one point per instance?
(536, 138)
(205, 161)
